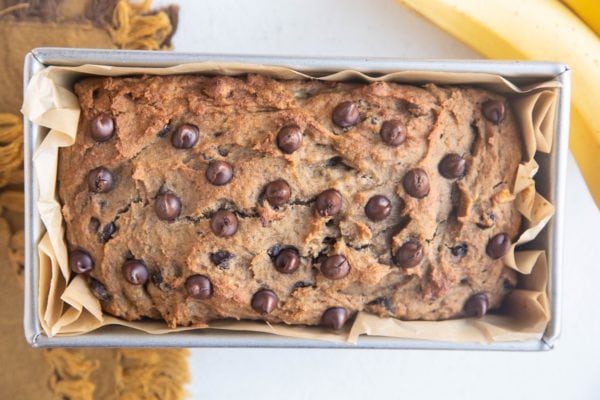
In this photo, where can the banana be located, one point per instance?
(544, 30)
(588, 11)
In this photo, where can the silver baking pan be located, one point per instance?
(550, 182)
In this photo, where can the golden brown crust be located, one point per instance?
(238, 120)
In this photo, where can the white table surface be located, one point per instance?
(382, 28)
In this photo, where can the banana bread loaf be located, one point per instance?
(193, 198)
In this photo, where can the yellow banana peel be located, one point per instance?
(588, 11)
(544, 30)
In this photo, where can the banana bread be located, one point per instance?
(194, 198)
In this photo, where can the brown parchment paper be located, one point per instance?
(67, 307)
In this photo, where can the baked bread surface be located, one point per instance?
(449, 230)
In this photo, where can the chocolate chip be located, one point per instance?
(338, 161)
(164, 131)
(94, 224)
(476, 305)
(219, 173)
(498, 245)
(103, 127)
(334, 318)
(107, 232)
(80, 262)
(385, 302)
(100, 180)
(220, 258)
(409, 254)
(452, 166)
(416, 183)
(289, 138)
(264, 301)
(301, 284)
(185, 137)
(329, 203)
(135, 272)
(335, 267)
(224, 223)
(287, 261)
(378, 208)
(393, 132)
(198, 287)
(277, 193)
(159, 282)
(345, 114)
(459, 250)
(99, 290)
(493, 111)
(274, 250)
(223, 151)
(157, 278)
(334, 161)
(329, 240)
(486, 220)
(167, 206)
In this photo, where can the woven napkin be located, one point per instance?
(27, 373)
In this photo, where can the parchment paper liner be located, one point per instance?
(71, 309)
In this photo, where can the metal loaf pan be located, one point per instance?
(550, 182)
